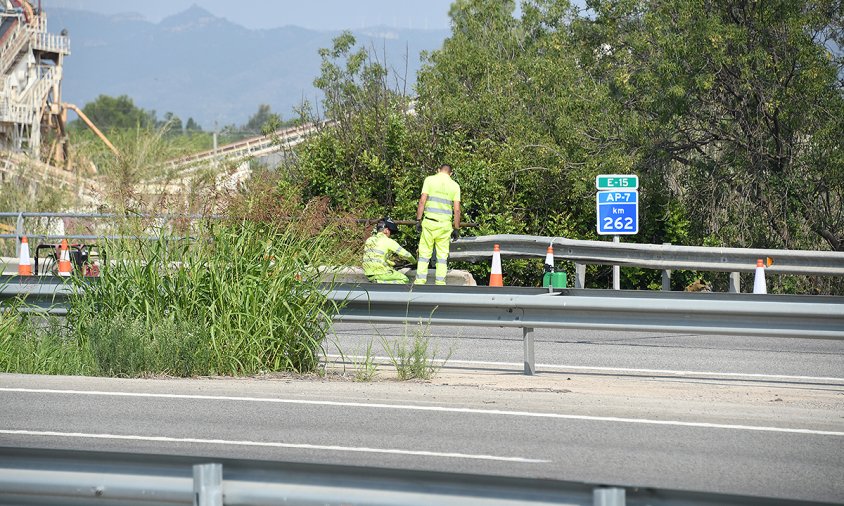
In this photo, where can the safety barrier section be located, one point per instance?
(665, 257)
(46, 477)
(782, 316)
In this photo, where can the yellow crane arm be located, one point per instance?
(91, 125)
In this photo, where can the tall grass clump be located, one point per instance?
(243, 298)
(414, 357)
(36, 343)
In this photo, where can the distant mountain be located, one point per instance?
(195, 64)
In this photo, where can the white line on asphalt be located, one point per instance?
(359, 449)
(440, 409)
(519, 365)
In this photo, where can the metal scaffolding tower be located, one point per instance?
(30, 80)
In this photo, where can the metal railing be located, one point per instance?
(51, 42)
(47, 477)
(254, 146)
(783, 316)
(13, 164)
(13, 46)
(21, 230)
(665, 257)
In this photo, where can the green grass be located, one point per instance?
(414, 357)
(242, 298)
(33, 343)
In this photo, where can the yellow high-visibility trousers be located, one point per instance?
(435, 234)
(393, 277)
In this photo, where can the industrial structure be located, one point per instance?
(31, 61)
(33, 119)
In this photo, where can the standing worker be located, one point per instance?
(377, 250)
(438, 209)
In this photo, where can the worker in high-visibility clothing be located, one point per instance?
(377, 250)
(438, 219)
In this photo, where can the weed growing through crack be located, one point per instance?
(415, 357)
(366, 369)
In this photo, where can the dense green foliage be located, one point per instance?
(111, 113)
(242, 300)
(730, 112)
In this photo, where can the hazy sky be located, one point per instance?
(314, 14)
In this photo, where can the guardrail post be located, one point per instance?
(608, 496)
(19, 234)
(208, 485)
(666, 275)
(579, 275)
(616, 269)
(735, 282)
(530, 362)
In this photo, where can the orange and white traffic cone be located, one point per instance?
(496, 278)
(759, 285)
(549, 259)
(64, 259)
(24, 262)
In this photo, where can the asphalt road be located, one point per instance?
(725, 414)
(605, 349)
(629, 432)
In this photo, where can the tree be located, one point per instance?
(173, 124)
(730, 112)
(192, 126)
(363, 160)
(263, 117)
(110, 113)
(735, 101)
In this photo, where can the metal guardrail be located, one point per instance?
(46, 477)
(664, 257)
(20, 229)
(784, 316)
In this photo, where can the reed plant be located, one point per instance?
(37, 343)
(244, 298)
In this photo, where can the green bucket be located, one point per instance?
(554, 280)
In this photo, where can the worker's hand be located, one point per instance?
(419, 226)
(455, 234)
(391, 263)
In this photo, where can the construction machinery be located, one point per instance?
(31, 64)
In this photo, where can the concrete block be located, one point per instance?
(355, 275)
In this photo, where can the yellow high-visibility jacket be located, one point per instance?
(442, 193)
(376, 254)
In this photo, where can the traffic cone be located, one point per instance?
(496, 278)
(24, 262)
(759, 278)
(549, 259)
(64, 259)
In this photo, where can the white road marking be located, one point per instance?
(519, 365)
(358, 449)
(440, 409)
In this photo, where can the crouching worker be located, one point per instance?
(377, 251)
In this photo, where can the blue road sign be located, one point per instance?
(618, 212)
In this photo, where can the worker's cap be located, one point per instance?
(389, 224)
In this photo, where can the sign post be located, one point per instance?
(617, 204)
